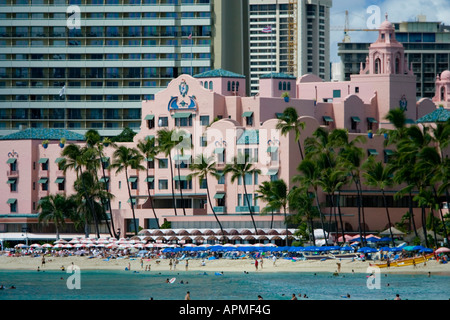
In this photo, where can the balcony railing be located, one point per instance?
(246, 209)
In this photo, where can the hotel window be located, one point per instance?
(163, 163)
(163, 122)
(61, 184)
(12, 184)
(336, 93)
(221, 179)
(150, 121)
(12, 205)
(163, 184)
(183, 119)
(204, 120)
(248, 117)
(44, 184)
(44, 164)
(150, 182)
(133, 183)
(12, 164)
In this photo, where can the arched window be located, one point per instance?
(233, 86)
(284, 86)
(210, 85)
(280, 86)
(237, 85)
(442, 93)
(229, 86)
(397, 65)
(289, 86)
(377, 68)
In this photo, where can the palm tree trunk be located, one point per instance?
(424, 226)
(131, 201)
(411, 211)
(181, 191)
(214, 213)
(388, 216)
(440, 212)
(433, 224)
(340, 215)
(89, 201)
(249, 206)
(300, 148)
(109, 203)
(359, 211)
(172, 183)
(285, 223)
(311, 227)
(150, 198)
(321, 216)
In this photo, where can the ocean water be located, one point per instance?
(144, 285)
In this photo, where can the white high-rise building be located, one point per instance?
(272, 22)
(108, 55)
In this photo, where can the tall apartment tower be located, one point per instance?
(82, 64)
(289, 36)
(427, 47)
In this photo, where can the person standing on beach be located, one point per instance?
(256, 264)
(43, 261)
(187, 264)
(261, 262)
(274, 259)
(170, 264)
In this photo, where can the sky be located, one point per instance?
(397, 10)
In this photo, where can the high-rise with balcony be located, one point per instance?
(82, 64)
(289, 36)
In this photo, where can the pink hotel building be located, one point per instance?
(223, 122)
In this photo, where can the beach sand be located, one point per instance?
(218, 265)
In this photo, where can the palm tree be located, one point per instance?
(379, 176)
(75, 158)
(202, 168)
(265, 193)
(125, 158)
(301, 200)
(56, 208)
(166, 144)
(95, 142)
(426, 199)
(288, 121)
(279, 200)
(149, 151)
(350, 159)
(238, 170)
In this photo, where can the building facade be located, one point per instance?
(427, 47)
(273, 48)
(217, 119)
(88, 64)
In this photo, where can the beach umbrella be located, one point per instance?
(442, 250)
(60, 241)
(36, 245)
(347, 248)
(58, 246)
(47, 245)
(367, 250)
(67, 246)
(426, 250)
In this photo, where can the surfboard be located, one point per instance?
(172, 280)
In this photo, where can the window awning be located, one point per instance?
(356, 119)
(272, 172)
(372, 152)
(180, 178)
(43, 180)
(219, 196)
(149, 179)
(106, 179)
(11, 181)
(150, 117)
(219, 150)
(328, 119)
(247, 114)
(43, 160)
(372, 120)
(59, 180)
(272, 149)
(11, 160)
(134, 201)
(149, 137)
(11, 201)
(181, 115)
(105, 159)
(180, 157)
(58, 160)
(388, 152)
(132, 179)
(278, 115)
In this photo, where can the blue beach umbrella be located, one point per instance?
(347, 248)
(367, 250)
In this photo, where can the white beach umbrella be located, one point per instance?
(58, 246)
(60, 241)
(36, 245)
(112, 246)
(67, 246)
(47, 245)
